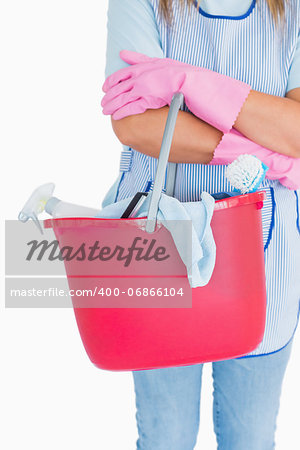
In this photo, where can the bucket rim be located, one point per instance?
(231, 202)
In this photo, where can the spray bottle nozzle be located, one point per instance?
(35, 205)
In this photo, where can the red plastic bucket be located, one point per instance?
(227, 316)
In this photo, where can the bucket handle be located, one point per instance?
(176, 103)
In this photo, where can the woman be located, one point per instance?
(257, 45)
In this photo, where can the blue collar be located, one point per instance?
(211, 16)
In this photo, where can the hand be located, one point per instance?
(142, 85)
(149, 83)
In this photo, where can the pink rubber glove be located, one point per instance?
(281, 167)
(149, 83)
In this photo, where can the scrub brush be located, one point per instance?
(246, 173)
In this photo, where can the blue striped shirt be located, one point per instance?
(247, 47)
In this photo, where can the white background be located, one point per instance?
(52, 59)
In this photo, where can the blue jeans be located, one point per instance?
(246, 403)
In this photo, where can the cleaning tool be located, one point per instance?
(36, 204)
(149, 83)
(58, 208)
(134, 205)
(284, 168)
(226, 318)
(42, 200)
(246, 173)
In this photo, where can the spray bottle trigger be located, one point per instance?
(36, 204)
(35, 219)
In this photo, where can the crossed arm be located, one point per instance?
(268, 120)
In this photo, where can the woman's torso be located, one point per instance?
(249, 48)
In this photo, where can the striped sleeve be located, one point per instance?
(294, 72)
(131, 25)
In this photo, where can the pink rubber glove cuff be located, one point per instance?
(281, 167)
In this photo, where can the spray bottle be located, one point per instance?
(42, 200)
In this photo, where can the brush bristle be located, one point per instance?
(246, 173)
